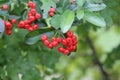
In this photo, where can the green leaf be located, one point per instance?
(47, 4)
(80, 3)
(3, 1)
(34, 36)
(95, 7)
(95, 19)
(5, 13)
(80, 14)
(18, 9)
(63, 3)
(55, 21)
(67, 20)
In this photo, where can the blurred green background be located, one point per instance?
(97, 56)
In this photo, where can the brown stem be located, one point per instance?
(96, 59)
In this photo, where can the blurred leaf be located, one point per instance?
(80, 3)
(67, 20)
(112, 57)
(55, 21)
(3, 1)
(95, 7)
(80, 14)
(95, 19)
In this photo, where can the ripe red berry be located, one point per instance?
(69, 40)
(8, 32)
(70, 33)
(66, 52)
(64, 42)
(46, 42)
(52, 10)
(21, 24)
(37, 16)
(31, 18)
(44, 37)
(59, 39)
(8, 25)
(51, 14)
(33, 6)
(33, 11)
(35, 26)
(30, 29)
(55, 44)
(30, 3)
(54, 39)
(61, 49)
(5, 7)
(13, 21)
(27, 26)
(30, 14)
(50, 46)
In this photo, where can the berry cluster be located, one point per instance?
(52, 12)
(8, 26)
(69, 43)
(33, 15)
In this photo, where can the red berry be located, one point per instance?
(30, 14)
(35, 26)
(51, 14)
(27, 26)
(30, 29)
(54, 39)
(46, 42)
(61, 49)
(5, 7)
(37, 16)
(13, 21)
(8, 25)
(33, 11)
(44, 37)
(8, 32)
(59, 39)
(55, 43)
(52, 10)
(30, 3)
(50, 46)
(66, 52)
(21, 24)
(33, 6)
(31, 18)
(74, 38)
(70, 33)
(69, 40)
(64, 42)
(28, 22)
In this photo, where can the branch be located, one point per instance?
(96, 59)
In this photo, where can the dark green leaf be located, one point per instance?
(34, 36)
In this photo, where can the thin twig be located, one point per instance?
(96, 59)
